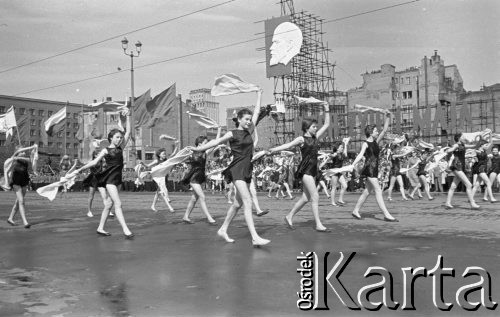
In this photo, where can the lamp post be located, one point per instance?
(132, 54)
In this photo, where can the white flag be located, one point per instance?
(8, 122)
(55, 119)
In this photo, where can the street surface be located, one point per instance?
(61, 267)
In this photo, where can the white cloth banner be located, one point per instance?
(362, 108)
(162, 169)
(204, 121)
(230, 84)
(55, 118)
(50, 191)
(8, 122)
(310, 100)
(333, 171)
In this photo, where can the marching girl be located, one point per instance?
(110, 178)
(412, 165)
(90, 182)
(196, 177)
(20, 179)
(307, 170)
(458, 170)
(395, 174)
(160, 157)
(479, 170)
(284, 177)
(370, 150)
(239, 172)
(494, 171)
(64, 167)
(338, 157)
(422, 175)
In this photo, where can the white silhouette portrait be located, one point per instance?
(287, 41)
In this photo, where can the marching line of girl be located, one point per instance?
(314, 166)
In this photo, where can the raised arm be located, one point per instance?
(155, 162)
(128, 128)
(298, 141)
(386, 126)
(24, 149)
(213, 143)
(346, 142)
(452, 148)
(327, 121)
(176, 148)
(256, 111)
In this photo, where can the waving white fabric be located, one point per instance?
(50, 191)
(425, 145)
(310, 100)
(167, 137)
(5, 180)
(405, 150)
(362, 108)
(473, 137)
(333, 171)
(161, 170)
(230, 84)
(140, 175)
(286, 153)
(204, 121)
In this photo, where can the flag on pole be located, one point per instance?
(161, 105)
(230, 84)
(8, 122)
(54, 119)
(141, 113)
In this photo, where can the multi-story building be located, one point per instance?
(203, 101)
(429, 85)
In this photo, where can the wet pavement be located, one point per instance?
(61, 267)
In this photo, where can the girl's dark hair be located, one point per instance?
(236, 123)
(158, 152)
(112, 133)
(200, 140)
(307, 123)
(243, 112)
(336, 146)
(369, 130)
(457, 136)
(496, 147)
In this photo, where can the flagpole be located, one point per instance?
(82, 144)
(18, 136)
(65, 125)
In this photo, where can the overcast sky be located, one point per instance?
(465, 33)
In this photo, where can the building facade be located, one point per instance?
(202, 100)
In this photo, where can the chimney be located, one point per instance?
(109, 99)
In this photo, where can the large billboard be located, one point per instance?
(283, 42)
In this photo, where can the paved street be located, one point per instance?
(60, 267)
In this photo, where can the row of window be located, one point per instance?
(59, 134)
(33, 112)
(402, 95)
(403, 80)
(33, 123)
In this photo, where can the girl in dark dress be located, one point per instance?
(110, 177)
(479, 170)
(457, 169)
(307, 170)
(424, 159)
(494, 171)
(20, 179)
(338, 157)
(370, 150)
(90, 182)
(395, 174)
(239, 171)
(196, 177)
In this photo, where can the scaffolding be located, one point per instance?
(312, 75)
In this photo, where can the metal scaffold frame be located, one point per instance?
(312, 74)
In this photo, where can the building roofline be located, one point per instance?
(62, 103)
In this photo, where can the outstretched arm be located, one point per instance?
(327, 121)
(176, 148)
(94, 162)
(128, 131)
(213, 143)
(298, 141)
(219, 131)
(360, 154)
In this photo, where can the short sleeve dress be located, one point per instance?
(309, 163)
(337, 162)
(196, 174)
(395, 166)
(241, 166)
(112, 173)
(371, 160)
(91, 179)
(20, 174)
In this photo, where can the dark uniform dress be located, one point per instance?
(337, 162)
(395, 167)
(91, 179)
(241, 166)
(309, 163)
(421, 168)
(196, 174)
(371, 160)
(112, 173)
(495, 164)
(20, 174)
(482, 161)
(458, 163)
